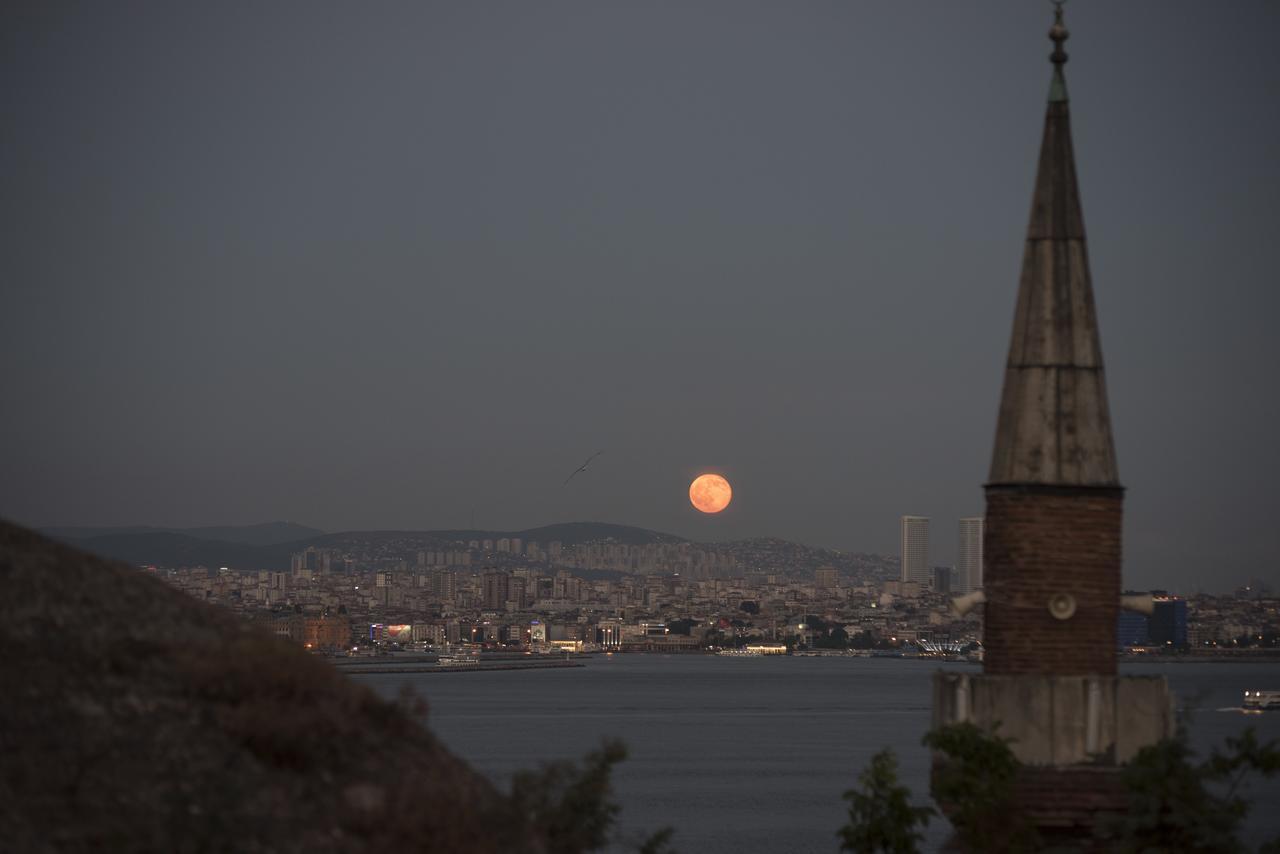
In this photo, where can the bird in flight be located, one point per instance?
(581, 468)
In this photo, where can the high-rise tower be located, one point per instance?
(915, 550)
(1051, 544)
(969, 555)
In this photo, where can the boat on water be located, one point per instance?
(459, 659)
(1261, 701)
(756, 649)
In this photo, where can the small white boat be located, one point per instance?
(1261, 701)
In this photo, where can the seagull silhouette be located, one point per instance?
(581, 468)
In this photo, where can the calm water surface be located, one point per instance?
(752, 754)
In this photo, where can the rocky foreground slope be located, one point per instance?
(135, 718)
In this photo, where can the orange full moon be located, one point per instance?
(710, 493)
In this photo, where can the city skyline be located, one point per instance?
(362, 284)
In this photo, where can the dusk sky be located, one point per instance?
(407, 265)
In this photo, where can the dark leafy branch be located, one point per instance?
(881, 817)
(571, 806)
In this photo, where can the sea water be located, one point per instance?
(752, 753)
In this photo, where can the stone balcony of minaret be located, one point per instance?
(1060, 720)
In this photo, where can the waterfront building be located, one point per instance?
(537, 632)
(610, 634)
(969, 556)
(1131, 630)
(1167, 625)
(326, 633)
(429, 633)
(1052, 534)
(915, 550)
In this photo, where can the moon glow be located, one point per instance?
(710, 493)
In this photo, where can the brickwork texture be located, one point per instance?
(1043, 541)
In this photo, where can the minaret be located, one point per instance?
(1052, 539)
(1051, 544)
(1054, 429)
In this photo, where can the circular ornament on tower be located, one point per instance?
(1062, 606)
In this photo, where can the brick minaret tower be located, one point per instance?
(1052, 538)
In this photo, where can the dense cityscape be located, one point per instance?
(376, 592)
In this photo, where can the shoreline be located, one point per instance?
(457, 668)
(426, 664)
(1202, 659)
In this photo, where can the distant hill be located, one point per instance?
(158, 547)
(264, 534)
(165, 548)
(581, 532)
(214, 547)
(568, 533)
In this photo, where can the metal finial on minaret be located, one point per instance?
(1058, 34)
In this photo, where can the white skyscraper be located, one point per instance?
(969, 555)
(915, 550)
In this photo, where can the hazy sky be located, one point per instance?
(408, 264)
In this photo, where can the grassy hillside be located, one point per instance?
(133, 717)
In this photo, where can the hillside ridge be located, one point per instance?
(133, 717)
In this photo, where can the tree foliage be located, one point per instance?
(975, 786)
(1176, 803)
(571, 806)
(836, 638)
(881, 817)
(1180, 804)
(862, 640)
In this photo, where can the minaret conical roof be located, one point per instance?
(1054, 427)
